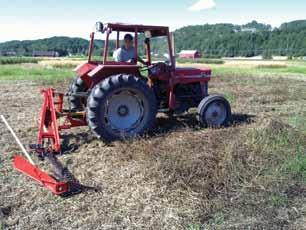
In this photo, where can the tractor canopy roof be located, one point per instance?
(155, 30)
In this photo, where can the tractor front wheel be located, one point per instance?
(214, 111)
(120, 107)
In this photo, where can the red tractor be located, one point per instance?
(117, 102)
(122, 103)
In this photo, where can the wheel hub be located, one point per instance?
(216, 113)
(123, 110)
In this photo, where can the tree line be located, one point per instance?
(212, 40)
(249, 40)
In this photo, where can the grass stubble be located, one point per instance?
(251, 175)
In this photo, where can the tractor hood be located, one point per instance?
(192, 72)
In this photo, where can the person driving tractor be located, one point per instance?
(127, 53)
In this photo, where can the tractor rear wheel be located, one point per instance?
(121, 106)
(214, 111)
(76, 103)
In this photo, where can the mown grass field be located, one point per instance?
(59, 69)
(251, 175)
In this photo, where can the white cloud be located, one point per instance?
(202, 5)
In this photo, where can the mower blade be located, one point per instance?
(25, 167)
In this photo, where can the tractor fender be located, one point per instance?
(82, 71)
(84, 68)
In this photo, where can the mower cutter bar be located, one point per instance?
(29, 168)
(25, 167)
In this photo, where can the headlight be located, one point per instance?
(99, 27)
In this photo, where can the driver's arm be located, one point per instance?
(139, 59)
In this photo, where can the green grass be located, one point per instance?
(298, 121)
(296, 166)
(64, 66)
(60, 71)
(17, 60)
(272, 66)
(285, 148)
(230, 97)
(218, 218)
(35, 73)
(200, 61)
(249, 72)
(285, 70)
(278, 200)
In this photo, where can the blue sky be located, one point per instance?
(31, 19)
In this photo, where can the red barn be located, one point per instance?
(190, 54)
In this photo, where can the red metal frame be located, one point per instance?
(105, 55)
(148, 51)
(48, 120)
(91, 46)
(136, 43)
(118, 40)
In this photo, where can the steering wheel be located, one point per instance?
(145, 68)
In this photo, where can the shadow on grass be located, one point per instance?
(163, 125)
(63, 174)
(242, 119)
(72, 142)
(189, 121)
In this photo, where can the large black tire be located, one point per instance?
(76, 103)
(214, 111)
(121, 106)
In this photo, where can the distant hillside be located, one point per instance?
(248, 40)
(212, 40)
(63, 45)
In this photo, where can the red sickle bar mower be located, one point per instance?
(48, 144)
(29, 168)
(117, 101)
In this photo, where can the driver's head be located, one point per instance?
(128, 41)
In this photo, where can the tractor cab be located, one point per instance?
(141, 33)
(164, 68)
(92, 71)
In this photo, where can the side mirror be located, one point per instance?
(99, 27)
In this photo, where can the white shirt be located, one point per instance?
(123, 55)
